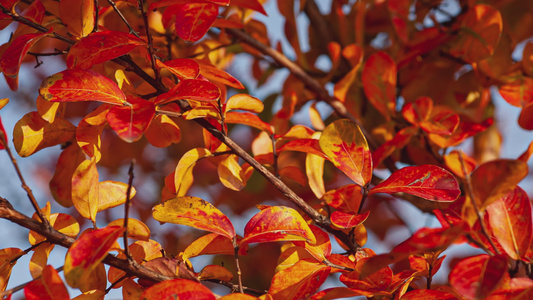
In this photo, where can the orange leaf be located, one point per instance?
(8, 259)
(494, 179)
(39, 259)
(48, 287)
(519, 91)
(61, 184)
(193, 20)
(232, 175)
(375, 284)
(277, 223)
(78, 16)
(209, 244)
(426, 181)
(87, 252)
(183, 176)
(510, 222)
(112, 194)
(345, 221)
(453, 163)
(131, 121)
(379, 83)
(81, 85)
(184, 68)
(525, 120)
(163, 132)
(85, 189)
(481, 29)
(49, 110)
(477, 276)
(178, 289)
(244, 102)
(418, 111)
(89, 132)
(14, 54)
(215, 272)
(99, 47)
(249, 120)
(32, 133)
(345, 199)
(311, 146)
(299, 281)
(322, 248)
(217, 75)
(194, 212)
(346, 147)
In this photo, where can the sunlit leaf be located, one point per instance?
(183, 177)
(453, 162)
(299, 281)
(344, 220)
(184, 68)
(248, 119)
(101, 46)
(232, 175)
(346, 147)
(163, 132)
(178, 289)
(190, 89)
(426, 181)
(39, 259)
(48, 287)
(322, 248)
(510, 222)
(194, 20)
(49, 110)
(244, 102)
(375, 284)
(277, 223)
(87, 252)
(32, 133)
(477, 276)
(346, 199)
(215, 272)
(314, 169)
(81, 85)
(209, 244)
(66, 224)
(194, 212)
(379, 83)
(78, 16)
(131, 121)
(112, 194)
(518, 91)
(61, 184)
(494, 179)
(89, 132)
(85, 189)
(14, 54)
(8, 259)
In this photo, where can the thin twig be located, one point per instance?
(470, 192)
(29, 192)
(96, 16)
(237, 265)
(115, 8)
(150, 40)
(127, 210)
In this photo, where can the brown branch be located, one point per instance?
(150, 40)
(119, 13)
(127, 210)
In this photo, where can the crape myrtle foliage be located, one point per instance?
(146, 84)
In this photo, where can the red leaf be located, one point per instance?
(277, 223)
(511, 224)
(193, 20)
(4, 139)
(87, 252)
(190, 89)
(428, 294)
(426, 181)
(47, 287)
(184, 68)
(379, 83)
(375, 283)
(13, 55)
(477, 276)
(298, 281)
(345, 221)
(346, 147)
(81, 85)
(131, 121)
(518, 92)
(101, 46)
(303, 145)
(194, 212)
(345, 199)
(178, 289)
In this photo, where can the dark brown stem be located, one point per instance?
(470, 193)
(29, 192)
(150, 41)
(96, 16)
(115, 8)
(127, 209)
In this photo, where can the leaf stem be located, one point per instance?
(237, 265)
(127, 209)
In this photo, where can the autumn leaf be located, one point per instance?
(244, 102)
(78, 16)
(48, 286)
(61, 182)
(32, 133)
(215, 272)
(345, 145)
(190, 89)
(87, 252)
(194, 212)
(85, 189)
(193, 20)
(379, 83)
(277, 223)
(299, 281)
(131, 121)
(7, 255)
(232, 175)
(101, 46)
(209, 244)
(183, 176)
(112, 194)
(477, 276)
(178, 289)
(249, 120)
(346, 199)
(163, 132)
(426, 181)
(184, 68)
(344, 220)
(81, 85)
(219, 76)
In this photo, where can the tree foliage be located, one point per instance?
(170, 89)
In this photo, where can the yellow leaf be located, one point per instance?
(183, 177)
(85, 188)
(49, 110)
(8, 258)
(244, 102)
(39, 259)
(136, 229)
(112, 193)
(3, 102)
(232, 175)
